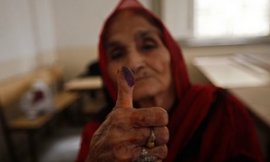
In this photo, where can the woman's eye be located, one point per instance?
(116, 54)
(149, 45)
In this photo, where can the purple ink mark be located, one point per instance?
(128, 76)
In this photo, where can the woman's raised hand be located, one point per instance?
(130, 134)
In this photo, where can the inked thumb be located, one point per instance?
(125, 85)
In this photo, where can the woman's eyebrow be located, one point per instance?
(146, 34)
(143, 34)
(112, 44)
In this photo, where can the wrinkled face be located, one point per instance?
(135, 43)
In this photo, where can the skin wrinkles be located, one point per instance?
(137, 44)
(134, 43)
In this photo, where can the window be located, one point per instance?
(231, 18)
(204, 19)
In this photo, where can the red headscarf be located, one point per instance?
(178, 65)
(224, 138)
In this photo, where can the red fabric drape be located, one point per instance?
(230, 134)
(179, 71)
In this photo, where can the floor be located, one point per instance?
(62, 144)
(62, 147)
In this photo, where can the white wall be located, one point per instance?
(16, 37)
(26, 40)
(36, 33)
(44, 30)
(174, 11)
(25, 36)
(78, 24)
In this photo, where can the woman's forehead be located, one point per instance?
(132, 24)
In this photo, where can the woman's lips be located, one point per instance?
(142, 75)
(141, 78)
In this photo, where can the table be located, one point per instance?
(85, 83)
(246, 76)
(232, 71)
(92, 95)
(257, 99)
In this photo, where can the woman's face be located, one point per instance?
(135, 43)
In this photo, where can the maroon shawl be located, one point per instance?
(206, 125)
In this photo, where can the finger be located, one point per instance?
(162, 135)
(140, 136)
(149, 117)
(160, 151)
(136, 136)
(123, 152)
(125, 84)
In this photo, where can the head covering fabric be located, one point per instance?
(179, 70)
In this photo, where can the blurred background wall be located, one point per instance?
(36, 33)
(27, 38)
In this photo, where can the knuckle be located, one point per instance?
(164, 116)
(139, 136)
(154, 116)
(118, 117)
(162, 134)
(138, 117)
(121, 152)
(161, 152)
(161, 115)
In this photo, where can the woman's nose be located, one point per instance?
(136, 61)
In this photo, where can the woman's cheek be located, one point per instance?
(112, 69)
(160, 66)
(160, 60)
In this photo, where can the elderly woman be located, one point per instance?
(158, 114)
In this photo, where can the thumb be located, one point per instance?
(125, 84)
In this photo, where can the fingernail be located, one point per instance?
(128, 76)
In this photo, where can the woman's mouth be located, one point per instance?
(141, 78)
